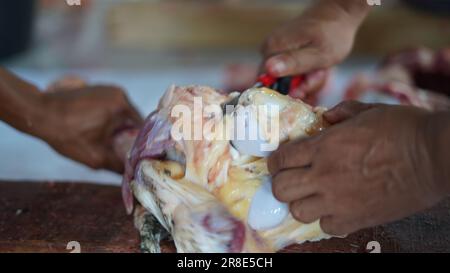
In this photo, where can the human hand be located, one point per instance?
(77, 120)
(320, 38)
(81, 123)
(375, 165)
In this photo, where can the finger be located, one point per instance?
(279, 43)
(293, 184)
(332, 226)
(296, 62)
(313, 83)
(85, 154)
(297, 153)
(309, 209)
(134, 114)
(99, 157)
(131, 119)
(129, 111)
(114, 153)
(346, 110)
(125, 119)
(114, 163)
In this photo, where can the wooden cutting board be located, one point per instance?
(45, 217)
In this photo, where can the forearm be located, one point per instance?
(20, 104)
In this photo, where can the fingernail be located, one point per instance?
(279, 67)
(275, 66)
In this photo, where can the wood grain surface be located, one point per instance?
(44, 217)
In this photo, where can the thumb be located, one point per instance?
(346, 110)
(295, 62)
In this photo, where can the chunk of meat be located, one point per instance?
(200, 190)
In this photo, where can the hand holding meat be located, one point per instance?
(77, 120)
(377, 164)
(84, 122)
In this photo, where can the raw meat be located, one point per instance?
(418, 77)
(200, 190)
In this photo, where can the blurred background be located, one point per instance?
(147, 45)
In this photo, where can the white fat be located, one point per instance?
(251, 147)
(249, 138)
(266, 212)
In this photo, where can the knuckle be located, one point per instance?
(334, 226)
(275, 161)
(328, 225)
(300, 213)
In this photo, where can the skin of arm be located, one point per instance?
(20, 104)
(78, 122)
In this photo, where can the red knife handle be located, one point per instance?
(266, 80)
(284, 85)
